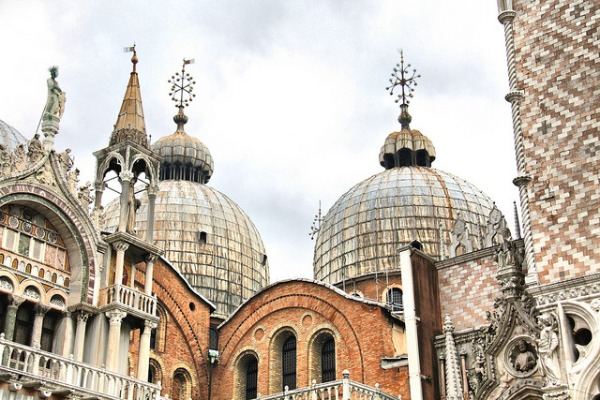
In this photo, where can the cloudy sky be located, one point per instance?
(291, 96)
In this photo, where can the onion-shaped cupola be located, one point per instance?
(408, 203)
(184, 157)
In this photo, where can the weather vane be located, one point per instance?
(403, 77)
(182, 86)
(316, 225)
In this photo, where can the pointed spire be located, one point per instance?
(130, 122)
(453, 381)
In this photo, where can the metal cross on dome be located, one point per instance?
(400, 77)
(182, 86)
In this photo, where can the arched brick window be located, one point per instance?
(288, 363)
(394, 299)
(252, 379)
(328, 360)
(181, 387)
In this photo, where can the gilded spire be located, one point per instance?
(407, 81)
(130, 122)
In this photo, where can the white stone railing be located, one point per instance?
(343, 389)
(130, 297)
(54, 373)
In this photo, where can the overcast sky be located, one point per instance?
(291, 96)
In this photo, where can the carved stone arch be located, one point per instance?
(588, 383)
(151, 174)
(9, 278)
(29, 287)
(528, 389)
(70, 225)
(110, 163)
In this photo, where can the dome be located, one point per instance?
(208, 238)
(184, 156)
(10, 137)
(365, 227)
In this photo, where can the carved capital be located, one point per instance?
(82, 317)
(41, 309)
(120, 246)
(15, 300)
(126, 176)
(507, 16)
(116, 316)
(151, 258)
(149, 325)
(521, 180)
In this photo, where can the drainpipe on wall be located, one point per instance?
(411, 319)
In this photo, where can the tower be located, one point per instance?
(129, 158)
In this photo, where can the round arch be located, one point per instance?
(68, 223)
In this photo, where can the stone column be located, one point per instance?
(38, 320)
(120, 247)
(11, 316)
(82, 318)
(144, 350)
(114, 337)
(150, 259)
(152, 190)
(125, 178)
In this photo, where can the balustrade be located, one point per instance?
(130, 298)
(61, 373)
(343, 389)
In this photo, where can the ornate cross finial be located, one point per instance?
(182, 85)
(401, 78)
(407, 80)
(316, 225)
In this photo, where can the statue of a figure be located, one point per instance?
(5, 160)
(525, 359)
(20, 157)
(36, 149)
(85, 194)
(132, 206)
(547, 349)
(73, 179)
(55, 104)
(66, 160)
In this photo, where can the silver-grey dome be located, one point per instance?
(208, 238)
(365, 227)
(10, 137)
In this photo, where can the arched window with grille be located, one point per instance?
(252, 379)
(288, 363)
(328, 360)
(394, 299)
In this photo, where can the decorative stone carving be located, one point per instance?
(548, 349)
(521, 358)
(133, 205)
(85, 196)
(20, 158)
(35, 149)
(116, 316)
(6, 160)
(460, 236)
(66, 160)
(55, 103)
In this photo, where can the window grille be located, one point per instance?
(252, 379)
(394, 299)
(289, 363)
(328, 361)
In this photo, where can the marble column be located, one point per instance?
(11, 316)
(152, 190)
(120, 247)
(114, 337)
(38, 320)
(144, 350)
(125, 178)
(82, 318)
(150, 259)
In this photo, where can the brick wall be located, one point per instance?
(467, 288)
(558, 68)
(362, 333)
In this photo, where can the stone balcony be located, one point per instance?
(131, 300)
(52, 375)
(343, 389)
